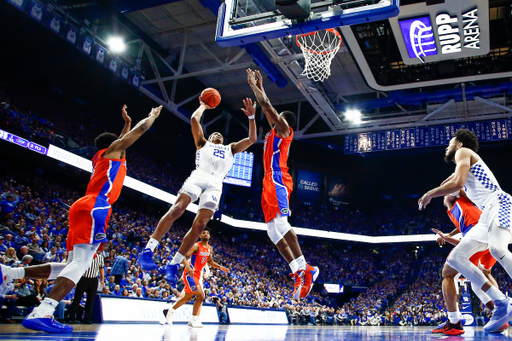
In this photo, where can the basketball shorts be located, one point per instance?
(483, 258)
(206, 186)
(88, 219)
(192, 283)
(275, 198)
(498, 210)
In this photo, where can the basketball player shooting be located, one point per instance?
(195, 260)
(213, 161)
(88, 219)
(277, 187)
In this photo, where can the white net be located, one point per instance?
(319, 48)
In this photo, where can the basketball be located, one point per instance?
(210, 97)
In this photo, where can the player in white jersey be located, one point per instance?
(493, 229)
(213, 161)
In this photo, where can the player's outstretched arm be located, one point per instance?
(215, 265)
(445, 238)
(121, 144)
(127, 122)
(195, 123)
(455, 183)
(185, 261)
(255, 80)
(250, 111)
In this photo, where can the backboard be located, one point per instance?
(241, 22)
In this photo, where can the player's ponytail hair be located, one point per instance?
(290, 118)
(103, 141)
(467, 138)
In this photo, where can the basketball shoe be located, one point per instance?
(167, 316)
(146, 260)
(502, 329)
(310, 276)
(195, 323)
(171, 273)
(46, 324)
(501, 316)
(440, 328)
(453, 329)
(298, 277)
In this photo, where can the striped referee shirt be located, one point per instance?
(94, 269)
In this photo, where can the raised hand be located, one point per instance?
(155, 111)
(250, 107)
(124, 113)
(205, 105)
(251, 78)
(259, 79)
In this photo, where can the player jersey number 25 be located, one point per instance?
(218, 153)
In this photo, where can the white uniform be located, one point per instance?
(483, 189)
(213, 162)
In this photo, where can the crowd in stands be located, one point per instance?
(33, 230)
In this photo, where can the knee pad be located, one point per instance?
(82, 259)
(278, 228)
(274, 236)
(56, 269)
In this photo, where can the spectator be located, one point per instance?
(10, 256)
(120, 267)
(3, 246)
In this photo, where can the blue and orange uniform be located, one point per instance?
(277, 183)
(89, 215)
(198, 260)
(464, 215)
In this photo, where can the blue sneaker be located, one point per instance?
(45, 324)
(501, 316)
(146, 260)
(172, 273)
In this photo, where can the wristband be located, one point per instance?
(252, 117)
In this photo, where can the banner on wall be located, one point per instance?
(71, 34)
(100, 54)
(37, 10)
(308, 189)
(55, 23)
(337, 190)
(87, 45)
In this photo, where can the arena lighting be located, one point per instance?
(116, 44)
(353, 115)
(86, 165)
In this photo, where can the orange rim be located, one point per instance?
(332, 30)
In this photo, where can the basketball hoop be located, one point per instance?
(319, 48)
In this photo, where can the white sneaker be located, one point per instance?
(168, 318)
(501, 316)
(195, 324)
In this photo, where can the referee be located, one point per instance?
(88, 284)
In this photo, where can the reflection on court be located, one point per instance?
(154, 332)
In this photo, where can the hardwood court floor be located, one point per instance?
(153, 332)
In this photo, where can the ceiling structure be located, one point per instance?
(175, 40)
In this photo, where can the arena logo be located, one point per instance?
(451, 39)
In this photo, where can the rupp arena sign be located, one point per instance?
(450, 30)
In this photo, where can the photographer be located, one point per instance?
(222, 309)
